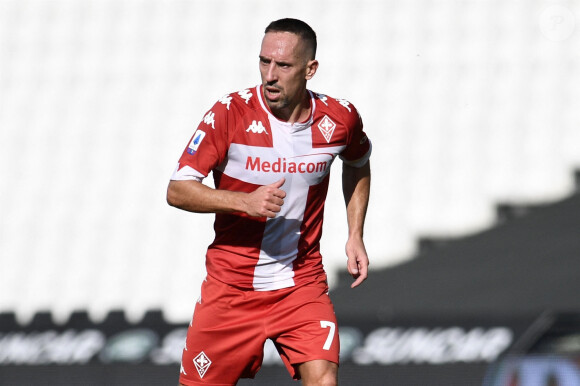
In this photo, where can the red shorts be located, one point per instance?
(225, 340)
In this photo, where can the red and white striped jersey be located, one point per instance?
(246, 146)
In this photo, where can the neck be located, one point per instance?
(295, 112)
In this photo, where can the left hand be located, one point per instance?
(358, 261)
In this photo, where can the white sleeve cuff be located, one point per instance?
(361, 161)
(186, 173)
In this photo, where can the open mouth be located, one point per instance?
(272, 93)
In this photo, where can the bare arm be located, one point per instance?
(193, 196)
(356, 184)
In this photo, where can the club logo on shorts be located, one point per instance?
(202, 363)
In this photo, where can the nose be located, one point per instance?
(271, 75)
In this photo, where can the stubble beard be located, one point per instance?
(279, 105)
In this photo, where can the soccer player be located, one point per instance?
(270, 149)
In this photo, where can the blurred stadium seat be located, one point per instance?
(468, 104)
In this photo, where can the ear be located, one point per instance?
(311, 68)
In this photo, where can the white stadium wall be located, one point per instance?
(468, 104)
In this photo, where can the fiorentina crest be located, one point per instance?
(202, 363)
(327, 127)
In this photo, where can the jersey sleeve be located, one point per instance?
(358, 149)
(208, 145)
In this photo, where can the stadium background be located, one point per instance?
(472, 107)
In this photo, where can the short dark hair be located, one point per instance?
(298, 27)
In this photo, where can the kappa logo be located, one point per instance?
(344, 103)
(257, 128)
(209, 119)
(226, 100)
(327, 127)
(323, 98)
(198, 136)
(202, 363)
(245, 95)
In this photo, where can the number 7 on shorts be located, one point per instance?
(332, 326)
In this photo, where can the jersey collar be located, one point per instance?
(297, 126)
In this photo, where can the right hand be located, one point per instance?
(266, 201)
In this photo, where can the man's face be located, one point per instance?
(284, 67)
